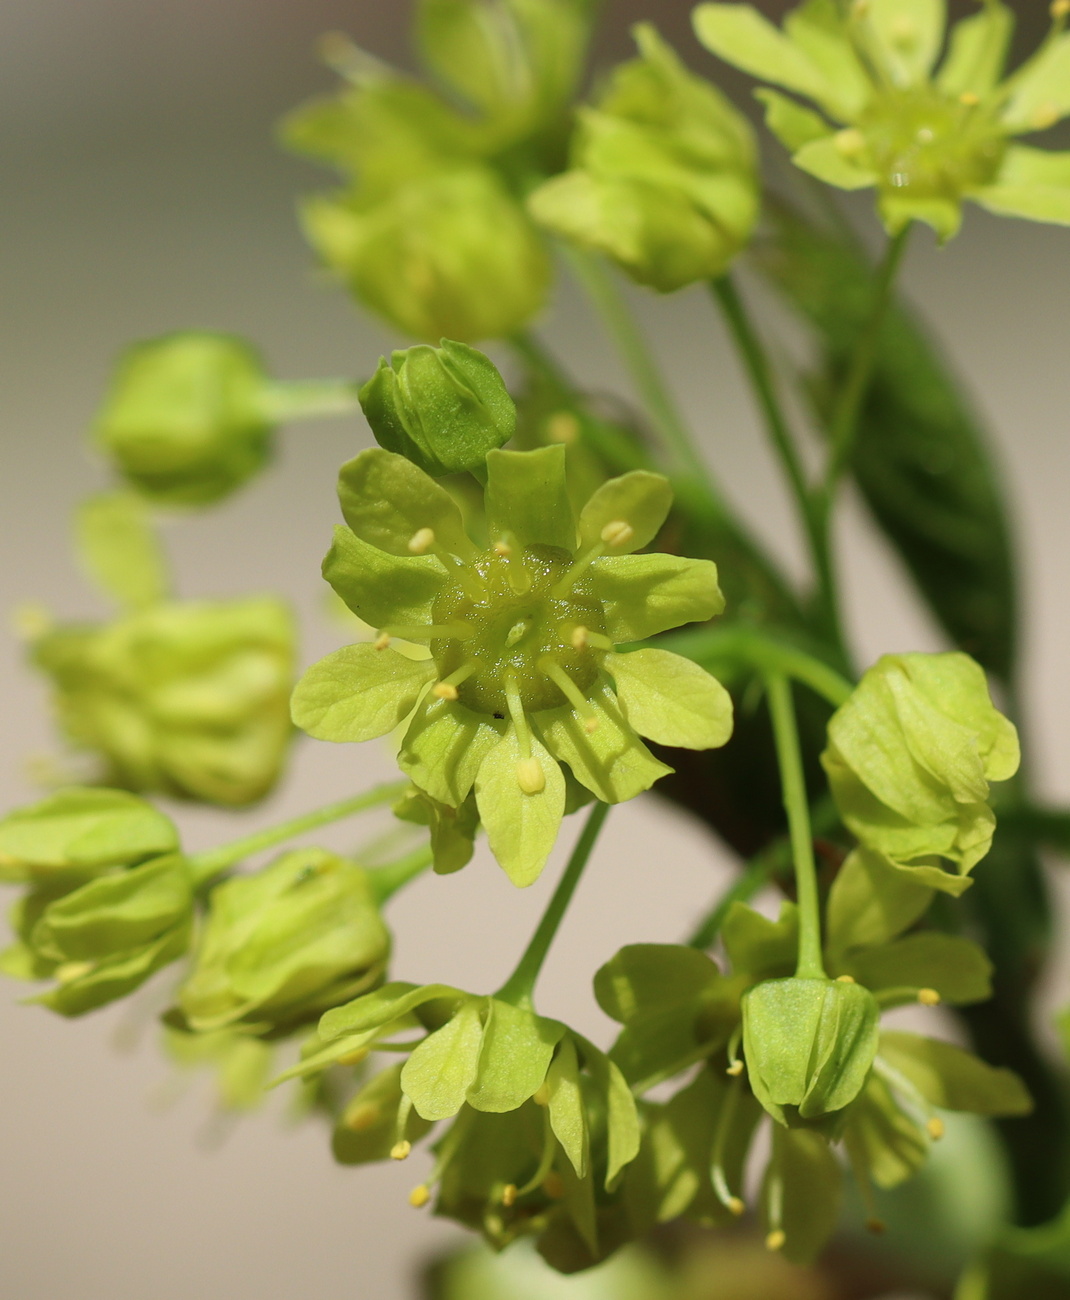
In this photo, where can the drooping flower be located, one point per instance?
(523, 673)
(927, 140)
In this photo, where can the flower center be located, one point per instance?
(525, 623)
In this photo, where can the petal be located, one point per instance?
(568, 1114)
(793, 125)
(521, 826)
(612, 762)
(820, 32)
(1032, 183)
(823, 159)
(387, 500)
(1041, 89)
(977, 51)
(899, 210)
(517, 1048)
(647, 594)
(382, 588)
(671, 700)
(640, 499)
(741, 36)
(909, 34)
(953, 1079)
(444, 747)
(956, 968)
(358, 693)
(526, 496)
(438, 1074)
(622, 1118)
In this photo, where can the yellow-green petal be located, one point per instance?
(439, 1072)
(444, 746)
(977, 51)
(514, 1058)
(671, 700)
(388, 502)
(358, 693)
(740, 35)
(824, 159)
(792, 124)
(380, 588)
(647, 594)
(909, 34)
(1041, 89)
(520, 815)
(526, 496)
(639, 499)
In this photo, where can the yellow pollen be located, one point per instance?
(400, 1150)
(362, 1118)
(419, 1196)
(850, 142)
(876, 1226)
(1060, 8)
(541, 1095)
(382, 641)
(553, 1186)
(421, 541)
(503, 549)
(735, 1069)
(590, 726)
(1046, 115)
(969, 99)
(928, 997)
(444, 691)
(736, 1206)
(617, 533)
(509, 1195)
(530, 776)
(846, 979)
(563, 427)
(353, 1058)
(580, 637)
(776, 1239)
(935, 1128)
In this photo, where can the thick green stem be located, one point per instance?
(520, 986)
(212, 861)
(305, 399)
(387, 880)
(789, 760)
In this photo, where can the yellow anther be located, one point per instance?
(876, 1226)
(362, 1118)
(509, 1195)
(421, 541)
(580, 637)
(736, 1206)
(735, 1069)
(617, 533)
(969, 99)
(530, 776)
(503, 549)
(1046, 115)
(928, 997)
(553, 1186)
(563, 427)
(1060, 8)
(73, 970)
(353, 1058)
(776, 1239)
(590, 725)
(850, 142)
(419, 1196)
(846, 979)
(444, 691)
(382, 640)
(400, 1150)
(935, 1128)
(541, 1095)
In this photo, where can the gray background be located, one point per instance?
(141, 193)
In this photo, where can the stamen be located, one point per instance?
(545, 1172)
(846, 979)
(929, 997)
(897, 1081)
(581, 637)
(568, 688)
(401, 1150)
(382, 640)
(530, 776)
(516, 713)
(856, 1155)
(1060, 8)
(419, 1196)
(776, 1240)
(509, 1194)
(735, 1065)
(776, 1237)
(969, 99)
(456, 631)
(446, 689)
(732, 1203)
(516, 573)
(579, 568)
(421, 541)
(935, 1128)
(563, 426)
(362, 1118)
(617, 533)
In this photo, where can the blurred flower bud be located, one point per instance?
(442, 408)
(286, 943)
(809, 1045)
(191, 698)
(183, 419)
(664, 174)
(450, 254)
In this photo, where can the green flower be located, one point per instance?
(184, 421)
(188, 698)
(284, 943)
(909, 762)
(926, 140)
(663, 176)
(523, 673)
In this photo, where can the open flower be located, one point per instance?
(927, 140)
(523, 673)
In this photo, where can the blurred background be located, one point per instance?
(142, 192)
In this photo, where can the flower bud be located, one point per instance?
(283, 945)
(183, 421)
(191, 698)
(443, 408)
(809, 1045)
(450, 254)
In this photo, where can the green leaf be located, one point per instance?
(568, 1114)
(82, 830)
(120, 549)
(379, 588)
(740, 35)
(671, 700)
(441, 1070)
(953, 1079)
(611, 761)
(793, 125)
(520, 808)
(444, 748)
(758, 947)
(920, 457)
(526, 496)
(368, 1127)
(956, 968)
(889, 1145)
(516, 1053)
(1041, 88)
(387, 501)
(640, 499)
(359, 693)
(977, 51)
(871, 901)
(647, 594)
(803, 1180)
(909, 36)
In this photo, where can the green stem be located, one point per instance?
(212, 861)
(612, 308)
(793, 785)
(388, 879)
(306, 399)
(542, 363)
(520, 986)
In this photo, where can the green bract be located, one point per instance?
(183, 421)
(909, 762)
(663, 177)
(282, 944)
(926, 139)
(443, 408)
(186, 698)
(523, 674)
